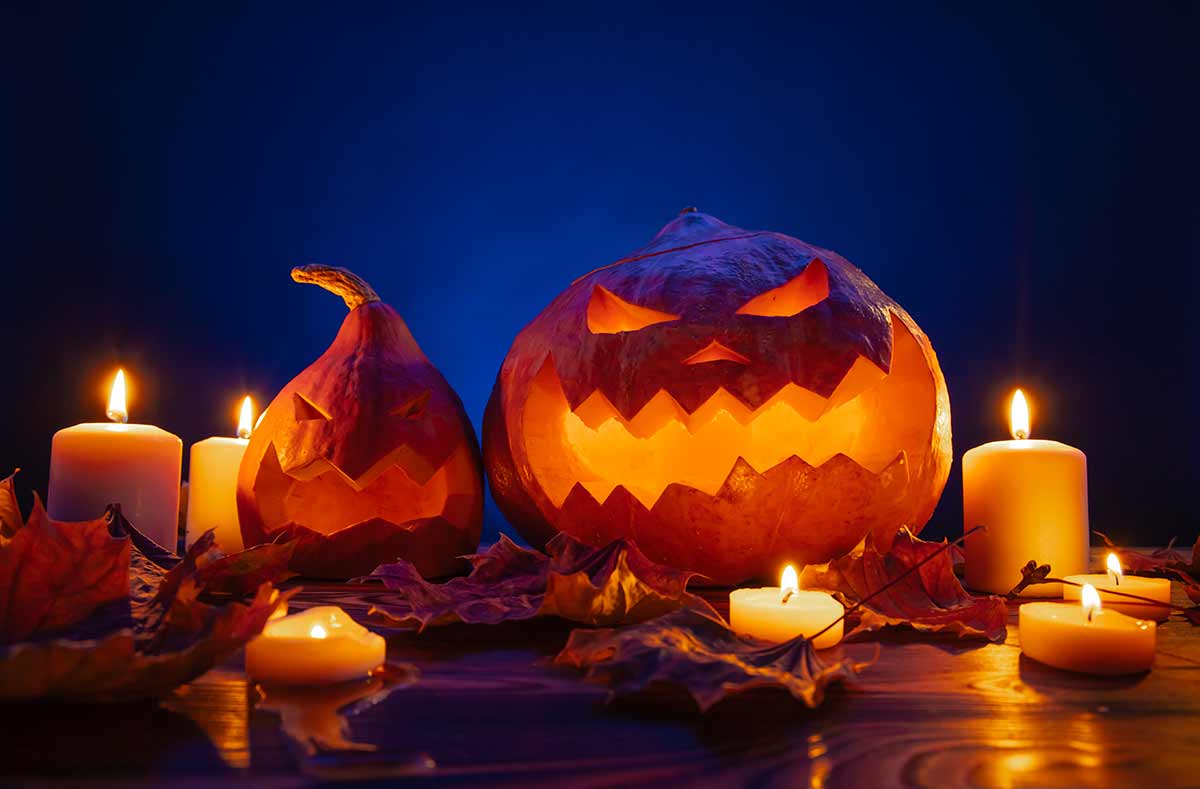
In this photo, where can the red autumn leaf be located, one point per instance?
(54, 575)
(95, 610)
(115, 668)
(240, 573)
(1158, 561)
(611, 585)
(930, 599)
(10, 512)
(701, 655)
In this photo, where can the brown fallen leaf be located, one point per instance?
(55, 575)
(96, 610)
(929, 599)
(10, 511)
(700, 654)
(615, 584)
(240, 573)
(1158, 561)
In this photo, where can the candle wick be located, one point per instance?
(787, 595)
(1090, 612)
(1021, 434)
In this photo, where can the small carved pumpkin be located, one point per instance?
(367, 455)
(728, 399)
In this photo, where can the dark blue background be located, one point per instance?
(1021, 178)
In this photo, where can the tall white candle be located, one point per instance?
(93, 465)
(212, 485)
(1031, 495)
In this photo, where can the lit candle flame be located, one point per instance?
(1114, 568)
(1090, 599)
(1018, 419)
(246, 420)
(116, 399)
(789, 583)
(317, 632)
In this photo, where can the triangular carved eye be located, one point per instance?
(802, 291)
(413, 408)
(306, 409)
(608, 313)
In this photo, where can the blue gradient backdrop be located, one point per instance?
(1021, 178)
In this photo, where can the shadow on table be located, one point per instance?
(59, 739)
(1048, 679)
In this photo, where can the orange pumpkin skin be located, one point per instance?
(366, 456)
(730, 400)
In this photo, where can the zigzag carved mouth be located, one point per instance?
(325, 499)
(871, 418)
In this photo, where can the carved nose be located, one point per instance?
(716, 352)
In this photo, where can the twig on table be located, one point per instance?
(940, 550)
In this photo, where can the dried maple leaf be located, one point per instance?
(96, 610)
(1158, 561)
(54, 575)
(611, 585)
(10, 511)
(114, 667)
(240, 573)
(701, 655)
(929, 599)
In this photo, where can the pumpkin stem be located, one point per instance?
(351, 287)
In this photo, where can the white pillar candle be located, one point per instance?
(1032, 498)
(1086, 638)
(1158, 589)
(318, 646)
(212, 485)
(93, 465)
(780, 613)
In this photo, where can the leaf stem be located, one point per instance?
(1113, 592)
(941, 548)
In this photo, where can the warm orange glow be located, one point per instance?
(325, 500)
(872, 418)
(1018, 416)
(789, 582)
(608, 313)
(1114, 567)
(317, 632)
(810, 287)
(716, 352)
(117, 411)
(246, 418)
(1090, 599)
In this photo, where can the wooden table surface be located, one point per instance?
(487, 709)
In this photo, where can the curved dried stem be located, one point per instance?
(351, 287)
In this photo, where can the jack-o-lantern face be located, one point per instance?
(366, 456)
(729, 400)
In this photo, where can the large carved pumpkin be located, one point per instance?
(729, 399)
(367, 455)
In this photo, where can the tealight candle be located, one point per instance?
(1086, 638)
(780, 613)
(1031, 497)
(93, 465)
(318, 646)
(212, 484)
(1155, 588)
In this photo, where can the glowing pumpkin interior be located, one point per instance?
(872, 418)
(323, 498)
